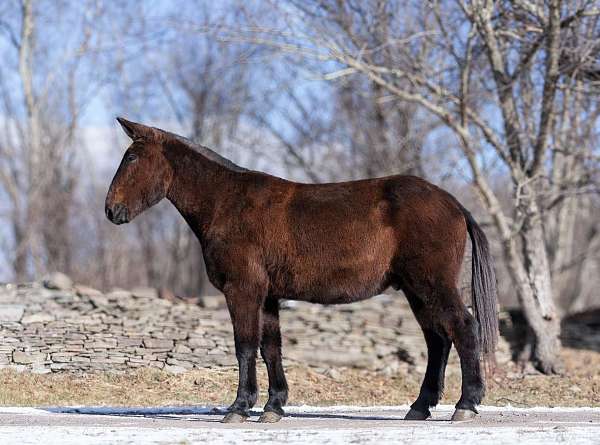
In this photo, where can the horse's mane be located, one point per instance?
(206, 152)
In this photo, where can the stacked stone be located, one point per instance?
(376, 334)
(57, 326)
(75, 328)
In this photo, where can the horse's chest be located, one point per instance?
(221, 264)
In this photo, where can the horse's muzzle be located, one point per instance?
(118, 214)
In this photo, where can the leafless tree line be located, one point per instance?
(495, 100)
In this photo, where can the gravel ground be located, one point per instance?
(323, 425)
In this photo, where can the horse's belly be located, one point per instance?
(334, 271)
(333, 285)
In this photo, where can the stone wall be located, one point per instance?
(57, 326)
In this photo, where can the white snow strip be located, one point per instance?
(66, 426)
(413, 435)
(490, 408)
(196, 410)
(22, 410)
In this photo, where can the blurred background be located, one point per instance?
(495, 101)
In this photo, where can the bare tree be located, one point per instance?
(346, 129)
(42, 100)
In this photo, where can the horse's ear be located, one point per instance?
(135, 130)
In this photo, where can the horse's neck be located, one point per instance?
(198, 184)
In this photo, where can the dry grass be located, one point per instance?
(149, 387)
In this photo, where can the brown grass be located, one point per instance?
(149, 387)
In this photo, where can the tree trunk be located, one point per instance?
(582, 288)
(534, 290)
(20, 259)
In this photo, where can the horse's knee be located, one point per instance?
(462, 327)
(270, 356)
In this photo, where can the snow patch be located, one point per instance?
(413, 435)
(197, 410)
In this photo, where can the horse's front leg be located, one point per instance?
(270, 349)
(245, 312)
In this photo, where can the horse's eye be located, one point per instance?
(131, 157)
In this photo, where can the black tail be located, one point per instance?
(483, 288)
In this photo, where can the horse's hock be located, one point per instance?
(57, 326)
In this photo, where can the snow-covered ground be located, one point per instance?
(304, 424)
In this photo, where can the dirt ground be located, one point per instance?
(580, 386)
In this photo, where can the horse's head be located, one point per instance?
(143, 177)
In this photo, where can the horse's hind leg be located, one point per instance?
(438, 348)
(462, 329)
(270, 349)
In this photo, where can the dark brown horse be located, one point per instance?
(266, 239)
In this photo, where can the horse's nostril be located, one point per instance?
(118, 214)
(109, 213)
(121, 214)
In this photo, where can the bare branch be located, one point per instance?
(550, 86)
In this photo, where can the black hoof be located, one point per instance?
(413, 414)
(270, 417)
(463, 415)
(234, 418)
